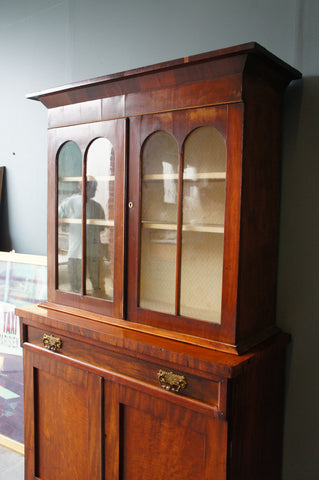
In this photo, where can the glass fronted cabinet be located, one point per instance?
(164, 196)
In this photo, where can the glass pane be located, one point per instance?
(204, 179)
(159, 223)
(100, 219)
(70, 214)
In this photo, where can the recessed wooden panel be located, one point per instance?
(67, 421)
(74, 114)
(209, 92)
(160, 440)
(144, 448)
(62, 408)
(113, 107)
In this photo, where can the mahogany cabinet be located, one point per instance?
(157, 354)
(95, 406)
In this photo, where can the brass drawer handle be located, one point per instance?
(171, 382)
(51, 343)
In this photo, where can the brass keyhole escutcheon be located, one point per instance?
(51, 343)
(130, 204)
(171, 382)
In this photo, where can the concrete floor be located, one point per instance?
(11, 465)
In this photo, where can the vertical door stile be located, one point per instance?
(120, 215)
(126, 156)
(83, 229)
(179, 234)
(95, 431)
(132, 207)
(35, 464)
(53, 188)
(30, 403)
(111, 431)
(216, 449)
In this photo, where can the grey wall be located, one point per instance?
(46, 43)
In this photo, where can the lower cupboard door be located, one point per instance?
(149, 438)
(63, 420)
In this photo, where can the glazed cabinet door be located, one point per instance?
(184, 199)
(86, 222)
(150, 438)
(62, 420)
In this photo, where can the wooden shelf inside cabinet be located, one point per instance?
(109, 178)
(70, 179)
(216, 176)
(203, 228)
(89, 221)
(185, 228)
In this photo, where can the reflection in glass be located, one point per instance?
(159, 220)
(100, 219)
(70, 214)
(203, 224)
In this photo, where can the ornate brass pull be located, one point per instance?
(172, 382)
(51, 343)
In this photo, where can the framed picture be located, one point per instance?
(23, 280)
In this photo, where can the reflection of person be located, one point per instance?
(71, 208)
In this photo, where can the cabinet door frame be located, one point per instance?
(228, 121)
(48, 363)
(168, 413)
(83, 135)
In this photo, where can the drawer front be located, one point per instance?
(162, 375)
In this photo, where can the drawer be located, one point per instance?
(159, 374)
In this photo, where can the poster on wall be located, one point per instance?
(9, 330)
(23, 280)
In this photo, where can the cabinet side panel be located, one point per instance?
(259, 210)
(232, 221)
(257, 419)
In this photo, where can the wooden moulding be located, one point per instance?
(120, 334)
(163, 75)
